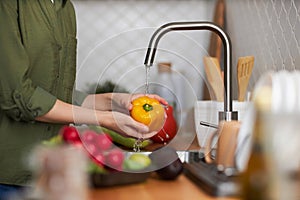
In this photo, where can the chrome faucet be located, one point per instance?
(227, 114)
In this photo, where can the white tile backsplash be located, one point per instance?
(269, 30)
(113, 37)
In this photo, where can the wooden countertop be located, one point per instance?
(154, 189)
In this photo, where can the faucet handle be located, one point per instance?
(209, 124)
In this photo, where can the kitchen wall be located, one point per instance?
(113, 37)
(269, 30)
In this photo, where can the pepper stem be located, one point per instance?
(147, 107)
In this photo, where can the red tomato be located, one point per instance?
(169, 129)
(91, 148)
(89, 136)
(89, 142)
(115, 158)
(70, 135)
(103, 142)
(99, 159)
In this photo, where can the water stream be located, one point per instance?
(138, 143)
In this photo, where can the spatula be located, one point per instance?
(244, 71)
(214, 77)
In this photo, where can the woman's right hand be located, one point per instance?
(126, 125)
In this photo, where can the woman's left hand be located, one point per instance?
(121, 102)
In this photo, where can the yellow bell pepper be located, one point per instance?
(148, 111)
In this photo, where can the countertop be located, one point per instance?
(154, 189)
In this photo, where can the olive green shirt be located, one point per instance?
(37, 67)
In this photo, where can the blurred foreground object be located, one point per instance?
(60, 173)
(273, 168)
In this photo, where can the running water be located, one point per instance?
(147, 79)
(138, 143)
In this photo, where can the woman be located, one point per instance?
(38, 64)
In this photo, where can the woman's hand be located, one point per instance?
(125, 125)
(117, 107)
(121, 102)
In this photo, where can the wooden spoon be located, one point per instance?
(244, 71)
(214, 77)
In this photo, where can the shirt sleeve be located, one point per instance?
(19, 97)
(79, 97)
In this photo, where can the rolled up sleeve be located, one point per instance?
(78, 97)
(39, 103)
(20, 98)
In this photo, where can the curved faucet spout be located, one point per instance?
(228, 114)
